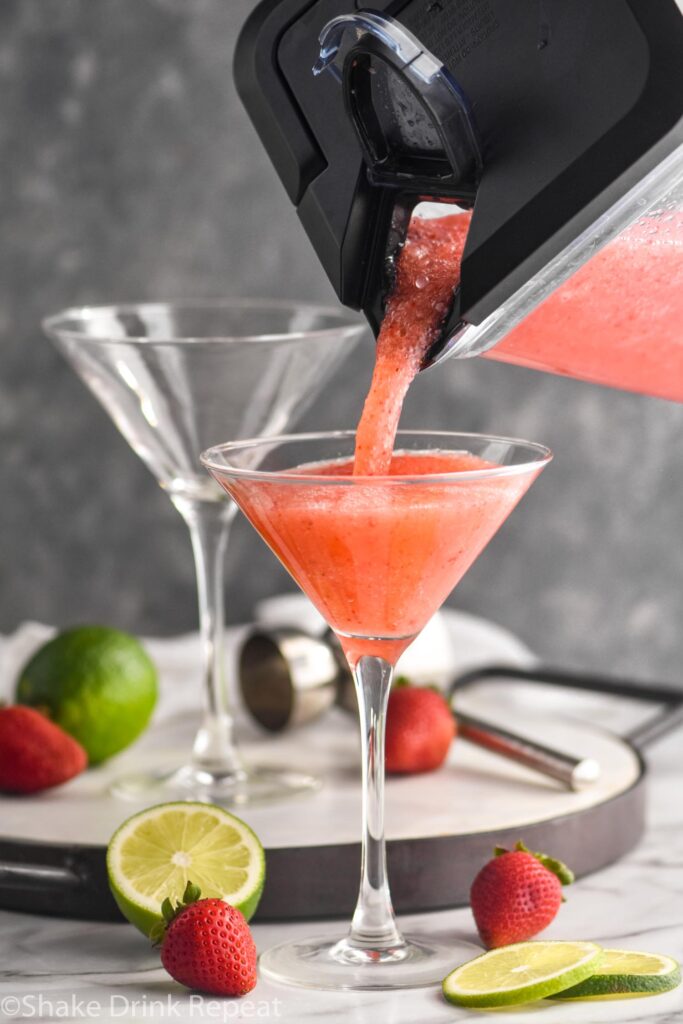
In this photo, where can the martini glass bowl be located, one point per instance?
(377, 555)
(175, 377)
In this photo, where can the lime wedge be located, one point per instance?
(623, 973)
(155, 853)
(521, 973)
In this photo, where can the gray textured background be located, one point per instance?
(130, 171)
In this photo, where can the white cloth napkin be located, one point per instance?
(452, 642)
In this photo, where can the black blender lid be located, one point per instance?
(571, 105)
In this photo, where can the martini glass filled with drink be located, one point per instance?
(174, 377)
(377, 555)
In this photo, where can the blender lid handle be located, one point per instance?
(354, 27)
(432, 146)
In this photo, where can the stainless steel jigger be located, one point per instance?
(289, 677)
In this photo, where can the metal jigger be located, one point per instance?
(289, 677)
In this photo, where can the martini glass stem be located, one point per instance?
(373, 925)
(213, 752)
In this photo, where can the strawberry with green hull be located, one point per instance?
(516, 895)
(206, 945)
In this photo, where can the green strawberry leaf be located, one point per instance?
(558, 868)
(192, 893)
(168, 911)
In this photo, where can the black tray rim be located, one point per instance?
(333, 891)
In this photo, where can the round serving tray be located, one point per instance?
(441, 826)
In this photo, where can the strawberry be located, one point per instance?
(516, 895)
(420, 729)
(35, 753)
(206, 945)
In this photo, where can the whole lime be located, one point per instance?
(97, 683)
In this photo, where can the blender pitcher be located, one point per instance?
(556, 127)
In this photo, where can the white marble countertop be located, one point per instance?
(107, 972)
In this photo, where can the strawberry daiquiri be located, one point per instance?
(427, 271)
(618, 320)
(379, 558)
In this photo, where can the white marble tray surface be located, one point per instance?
(476, 791)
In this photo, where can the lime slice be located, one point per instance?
(623, 973)
(155, 853)
(521, 973)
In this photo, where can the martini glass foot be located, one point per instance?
(238, 788)
(413, 962)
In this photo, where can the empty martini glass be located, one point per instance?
(174, 378)
(377, 555)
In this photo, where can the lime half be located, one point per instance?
(624, 973)
(98, 684)
(521, 973)
(154, 854)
